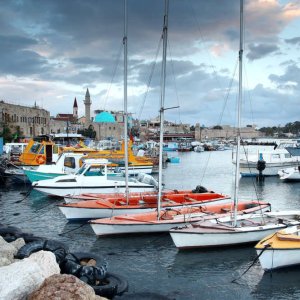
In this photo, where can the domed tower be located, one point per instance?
(87, 103)
(75, 109)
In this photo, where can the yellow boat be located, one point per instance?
(45, 151)
(280, 249)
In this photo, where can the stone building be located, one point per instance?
(66, 122)
(106, 124)
(25, 121)
(225, 132)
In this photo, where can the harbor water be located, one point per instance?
(151, 263)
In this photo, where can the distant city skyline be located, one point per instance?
(52, 51)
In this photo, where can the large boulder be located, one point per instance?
(23, 277)
(64, 287)
(8, 250)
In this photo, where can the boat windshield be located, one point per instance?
(94, 171)
(81, 170)
(35, 148)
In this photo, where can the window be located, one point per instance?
(35, 147)
(69, 162)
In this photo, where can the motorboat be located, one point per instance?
(273, 160)
(67, 163)
(290, 174)
(92, 177)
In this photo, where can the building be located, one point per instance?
(24, 121)
(66, 122)
(106, 124)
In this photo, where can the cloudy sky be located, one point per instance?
(52, 51)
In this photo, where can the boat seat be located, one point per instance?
(190, 199)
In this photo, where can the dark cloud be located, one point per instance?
(257, 51)
(72, 44)
(16, 60)
(289, 80)
(293, 41)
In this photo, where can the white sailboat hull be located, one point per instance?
(278, 258)
(73, 213)
(197, 239)
(77, 214)
(111, 229)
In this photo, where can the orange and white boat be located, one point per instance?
(119, 204)
(169, 218)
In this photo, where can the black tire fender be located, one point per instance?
(59, 249)
(112, 285)
(73, 265)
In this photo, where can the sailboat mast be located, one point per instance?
(125, 101)
(239, 108)
(162, 101)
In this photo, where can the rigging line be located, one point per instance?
(203, 41)
(114, 74)
(150, 78)
(174, 79)
(26, 195)
(63, 233)
(249, 94)
(228, 91)
(252, 264)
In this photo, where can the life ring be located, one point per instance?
(40, 159)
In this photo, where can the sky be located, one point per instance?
(52, 51)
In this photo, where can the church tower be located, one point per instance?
(87, 103)
(75, 109)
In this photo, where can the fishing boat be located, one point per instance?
(273, 159)
(92, 177)
(121, 204)
(169, 218)
(290, 174)
(67, 163)
(233, 230)
(136, 164)
(280, 249)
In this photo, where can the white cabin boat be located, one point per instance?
(274, 160)
(92, 177)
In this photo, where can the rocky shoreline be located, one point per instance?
(37, 277)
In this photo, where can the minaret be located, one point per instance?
(75, 109)
(87, 103)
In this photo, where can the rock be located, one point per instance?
(18, 243)
(7, 252)
(64, 287)
(23, 277)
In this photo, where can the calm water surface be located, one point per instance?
(151, 263)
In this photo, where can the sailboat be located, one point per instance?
(129, 203)
(166, 218)
(236, 229)
(280, 250)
